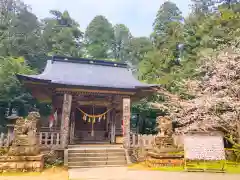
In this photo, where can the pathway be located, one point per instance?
(122, 173)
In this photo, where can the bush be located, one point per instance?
(138, 154)
(52, 159)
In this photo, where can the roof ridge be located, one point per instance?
(88, 61)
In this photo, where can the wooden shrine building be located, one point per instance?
(91, 97)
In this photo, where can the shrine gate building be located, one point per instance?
(91, 98)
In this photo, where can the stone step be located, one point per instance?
(113, 158)
(97, 163)
(96, 154)
(95, 145)
(95, 151)
(97, 166)
(102, 151)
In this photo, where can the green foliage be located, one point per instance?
(144, 116)
(161, 63)
(62, 35)
(20, 33)
(10, 86)
(204, 31)
(167, 13)
(202, 7)
(25, 43)
(12, 96)
(236, 147)
(52, 160)
(122, 38)
(138, 48)
(99, 38)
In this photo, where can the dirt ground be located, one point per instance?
(123, 173)
(49, 174)
(116, 173)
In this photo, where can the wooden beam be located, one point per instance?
(96, 103)
(76, 90)
(34, 83)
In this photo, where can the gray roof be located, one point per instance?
(86, 72)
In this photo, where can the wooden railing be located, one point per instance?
(138, 140)
(47, 140)
(50, 140)
(147, 141)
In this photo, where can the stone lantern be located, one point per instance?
(10, 126)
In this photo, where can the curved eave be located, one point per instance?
(24, 78)
(31, 80)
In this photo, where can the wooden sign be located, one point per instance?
(126, 121)
(197, 147)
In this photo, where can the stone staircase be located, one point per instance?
(96, 156)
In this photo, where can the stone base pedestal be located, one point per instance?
(21, 163)
(24, 150)
(152, 162)
(164, 141)
(164, 159)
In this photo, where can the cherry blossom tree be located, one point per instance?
(216, 102)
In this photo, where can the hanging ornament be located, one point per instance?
(94, 120)
(89, 119)
(104, 117)
(99, 119)
(92, 132)
(84, 117)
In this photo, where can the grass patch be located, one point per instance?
(233, 170)
(169, 169)
(230, 167)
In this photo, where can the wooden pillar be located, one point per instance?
(66, 110)
(113, 125)
(72, 127)
(108, 118)
(126, 121)
(109, 124)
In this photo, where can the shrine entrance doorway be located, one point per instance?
(90, 130)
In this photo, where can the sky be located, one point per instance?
(137, 15)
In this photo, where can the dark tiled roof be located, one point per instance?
(86, 72)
